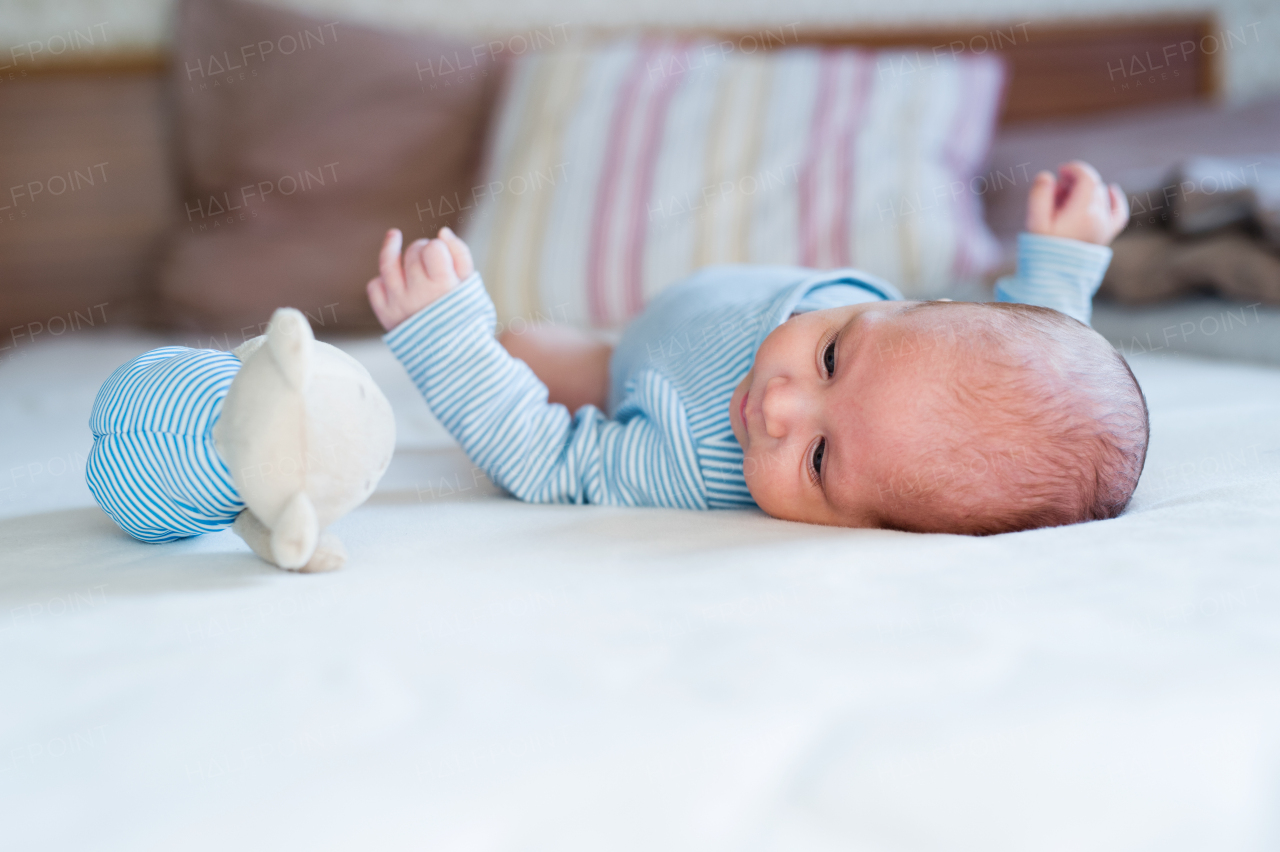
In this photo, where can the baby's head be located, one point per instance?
(940, 417)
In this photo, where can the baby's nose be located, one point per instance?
(778, 406)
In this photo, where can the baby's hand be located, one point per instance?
(431, 268)
(1076, 205)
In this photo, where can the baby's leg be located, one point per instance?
(573, 364)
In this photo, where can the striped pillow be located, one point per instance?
(617, 170)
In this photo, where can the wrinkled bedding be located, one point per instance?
(489, 675)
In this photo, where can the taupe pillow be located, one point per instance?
(301, 140)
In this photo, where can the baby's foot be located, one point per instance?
(430, 269)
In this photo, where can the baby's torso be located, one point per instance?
(701, 336)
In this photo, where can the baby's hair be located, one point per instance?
(1048, 427)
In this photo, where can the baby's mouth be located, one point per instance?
(742, 411)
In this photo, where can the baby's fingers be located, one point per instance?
(1119, 206)
(389, 262)
(439, 263)
(1083, 183)
(1040, 203)
(462, 262)
(378, 300)
(414, 271)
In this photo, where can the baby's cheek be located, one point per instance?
(765, 475)
(753, 471)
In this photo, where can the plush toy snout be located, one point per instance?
(307, 434)
(296, 531)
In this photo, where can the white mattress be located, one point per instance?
(488, 675)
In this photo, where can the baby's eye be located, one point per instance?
(829, 357)
(818, 452)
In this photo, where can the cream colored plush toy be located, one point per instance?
(307, 435)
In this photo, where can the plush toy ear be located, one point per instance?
(250, 346)
(289, 339)
(295, 533)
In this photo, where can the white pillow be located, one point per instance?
(616, 170)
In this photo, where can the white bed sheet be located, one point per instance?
(488, 675)
(1205, 326)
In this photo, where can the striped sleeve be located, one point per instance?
(497, 409)
(1057, 273)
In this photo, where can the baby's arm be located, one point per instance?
(497, 408)
(1063, 254)
(573, 364)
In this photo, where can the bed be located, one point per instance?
(487, 674)
(491, 675)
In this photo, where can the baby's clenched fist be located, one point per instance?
(1076, 204)
(429, 269)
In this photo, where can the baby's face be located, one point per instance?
(837, 398)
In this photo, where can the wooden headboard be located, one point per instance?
(109, 116)
(1067, 69)
(1058, 68)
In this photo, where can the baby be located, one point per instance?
(819, 396)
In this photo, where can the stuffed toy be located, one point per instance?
(276, 440)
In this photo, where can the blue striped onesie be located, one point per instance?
(666, 440)
(153, 466)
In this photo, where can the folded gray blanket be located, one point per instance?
(1214, 192)
(1213, 226)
